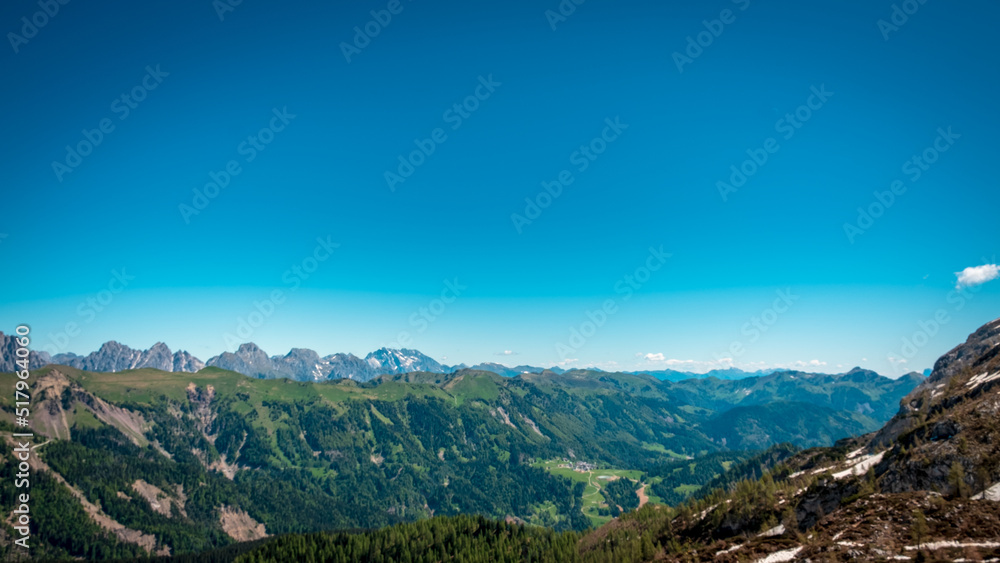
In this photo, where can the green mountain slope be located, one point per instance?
(170, 462)
(924, 487)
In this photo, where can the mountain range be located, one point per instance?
(923, 488)
(153, 461)
(303, 364)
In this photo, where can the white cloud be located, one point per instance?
(977, 275)
(810, 363)
(661, 361)
(568, 362)
(506, 353)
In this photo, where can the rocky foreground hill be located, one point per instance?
(924, 487)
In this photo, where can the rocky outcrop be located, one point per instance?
(186, 362)
(249, 360)
(980, 350)
(303, 364)
(8, 355)
(113, 356)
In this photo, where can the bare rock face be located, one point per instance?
(182, 361)
(303, 364)
(159, 357)
(981, 349)
(114, 356)
(944, 437)
(249, 360)
(348, 366)
(8, 355)
(239, 525)
(978, 349)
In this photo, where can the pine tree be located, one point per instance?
(956, 478)
(919, 529)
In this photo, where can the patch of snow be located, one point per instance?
(706, 512)
(775, 531)
(855, 453)
(729, 549)
(781, 556)
(848, 544)
(953, 544)
(992, 493)
(984, 377)
(796, 474)
(862, 467)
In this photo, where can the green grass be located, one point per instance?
(660, 448)
(469, 387)
(592, 498)
(146, 386)
(687, 489)
(83, 418)
(385, 420)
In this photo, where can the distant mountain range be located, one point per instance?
(300, 364)
(728, 373)
(303, 364)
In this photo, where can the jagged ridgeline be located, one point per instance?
(146, 461)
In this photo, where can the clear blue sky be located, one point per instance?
(197, 86)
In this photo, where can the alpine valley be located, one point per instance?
(396, 457)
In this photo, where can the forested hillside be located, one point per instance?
(172, 463)
(923, 488)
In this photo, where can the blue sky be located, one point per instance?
(644, 127)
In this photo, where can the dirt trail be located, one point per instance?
(643, 497)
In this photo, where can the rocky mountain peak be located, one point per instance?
(979, 347)
(8, 355)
